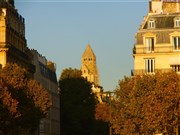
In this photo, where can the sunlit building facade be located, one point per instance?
(13, 49)
(13, 45)
(157, 42)
(88, 66)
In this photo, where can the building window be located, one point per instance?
(151, 24)
(150, 44)
(177, 22)
(176, 43)
(176, 68)
(149, 65)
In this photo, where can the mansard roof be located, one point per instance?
(162, 21)
(88, 53)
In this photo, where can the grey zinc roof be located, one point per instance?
(164, 25)
(163, 20)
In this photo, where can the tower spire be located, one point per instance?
(89, 67)
(88, 53)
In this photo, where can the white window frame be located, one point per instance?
(151, 24)
(150, 65)
(176, 68)
(177, 22)
(176, 43)
(149, 43)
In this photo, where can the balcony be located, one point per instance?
(163, 49)
(18, 52)
(143, 71)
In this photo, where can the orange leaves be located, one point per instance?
(7, 100)
(16, 76)
(21, 99)
(147, 103)
(102, 112)
(20, 84)
(39, 95)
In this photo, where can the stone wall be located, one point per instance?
(171, 7)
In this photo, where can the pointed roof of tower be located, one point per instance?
(88, 52)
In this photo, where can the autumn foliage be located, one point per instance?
(147, 104)
(23, 101)
(78, 106)
(102, 112)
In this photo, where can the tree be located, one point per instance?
(77, 104)
(147, 104)
(102, 116)
(70, 73)
(23, 101)
(103, 112)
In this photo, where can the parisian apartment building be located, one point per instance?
(13, 44)
(157, 41)
(46, 75)
(14, 49)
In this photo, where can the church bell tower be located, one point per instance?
(89, 68)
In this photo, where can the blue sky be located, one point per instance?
(61, 29)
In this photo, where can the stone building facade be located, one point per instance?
(157, 42)
(90, 72)
(13, 45)
(46, 75)
(13, 49)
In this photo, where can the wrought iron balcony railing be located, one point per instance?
(163, 49)
(143, 71)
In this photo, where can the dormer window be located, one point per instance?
(177, 22)
(151, 24)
